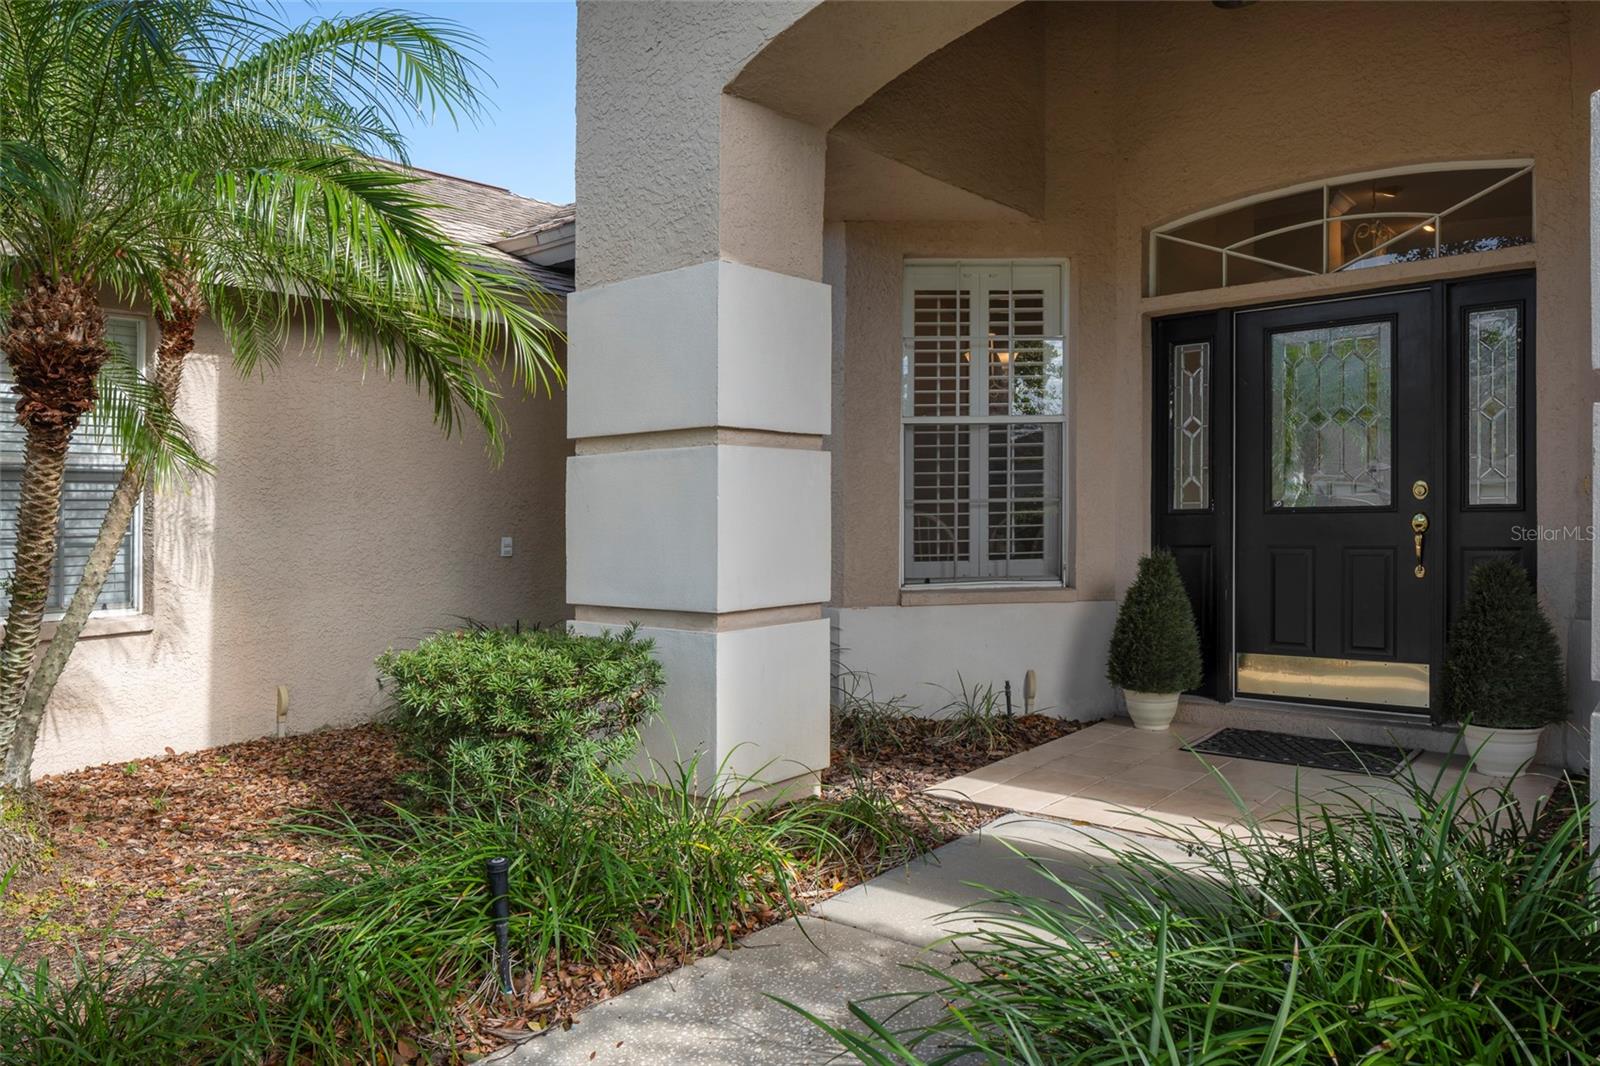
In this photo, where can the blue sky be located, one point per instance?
(525, 140)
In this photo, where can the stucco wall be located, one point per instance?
(994, 142)
(1153, 111)
(340, 522)
(650, 111)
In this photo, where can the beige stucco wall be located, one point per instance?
(650, 116)
(1153, 111)
(339, 522)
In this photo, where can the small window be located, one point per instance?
(1347, 224)
(94, 466)
(983, 415)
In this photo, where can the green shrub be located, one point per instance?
(496, 707)
(1503, 665)
(1155, 647)
(1425, 931)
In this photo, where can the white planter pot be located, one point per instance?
(1501, 752)
(1151, 711)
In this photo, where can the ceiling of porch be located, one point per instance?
(958, 136)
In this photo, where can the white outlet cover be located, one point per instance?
(505, 547)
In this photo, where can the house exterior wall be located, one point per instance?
(340, 522)
(1154, 111)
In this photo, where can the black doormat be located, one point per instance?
(1323, 753)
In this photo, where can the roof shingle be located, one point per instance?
(479, 214)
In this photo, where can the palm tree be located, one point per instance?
(198, 156)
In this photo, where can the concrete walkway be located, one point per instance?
(859, 944)
(1111, 774)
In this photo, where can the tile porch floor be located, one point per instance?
(1110, 774)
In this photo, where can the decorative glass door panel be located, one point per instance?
(1331, 410)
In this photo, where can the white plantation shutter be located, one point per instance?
(983, 370)
(94, 467)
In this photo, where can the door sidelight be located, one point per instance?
(1419, 526)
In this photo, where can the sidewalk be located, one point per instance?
(716, 1012)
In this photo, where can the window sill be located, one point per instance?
(106, 625)
(1031, 592)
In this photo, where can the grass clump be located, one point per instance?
(1422, 930)
(862, 721)
(975, 716)
(490, 707)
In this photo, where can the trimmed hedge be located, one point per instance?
(1503, 669)
(497, 707)
(1155, 647)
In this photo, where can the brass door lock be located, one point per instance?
(1419, 489)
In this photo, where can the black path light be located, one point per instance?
(500, 911)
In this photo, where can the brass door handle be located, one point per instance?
(1419, 526)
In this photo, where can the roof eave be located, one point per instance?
(547, 247)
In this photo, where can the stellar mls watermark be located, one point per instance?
(1549, 533)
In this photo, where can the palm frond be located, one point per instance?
(130, 409)
(203, 138)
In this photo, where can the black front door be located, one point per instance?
(1338, 553)
(1300, 453)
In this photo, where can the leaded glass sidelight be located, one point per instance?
(1190, 411)
(1331, 443)
(1493, 350)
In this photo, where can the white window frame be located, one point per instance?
(1063, 579)
(134, 539)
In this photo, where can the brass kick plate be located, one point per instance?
(1311, 677)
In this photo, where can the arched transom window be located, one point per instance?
(1396, 216)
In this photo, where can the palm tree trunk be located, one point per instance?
(177, 341)
(55, 344)
(38, 528)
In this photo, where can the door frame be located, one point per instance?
(1204, 539)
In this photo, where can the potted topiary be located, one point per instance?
(1155, 650)
(1502, 670)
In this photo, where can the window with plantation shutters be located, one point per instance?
(94, 466)
(983, 414)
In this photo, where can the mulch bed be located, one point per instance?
(921, 755)
(158, 853)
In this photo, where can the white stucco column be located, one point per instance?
(698, 394)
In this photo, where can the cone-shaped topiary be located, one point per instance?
(1502, 669)
(1155, 647)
